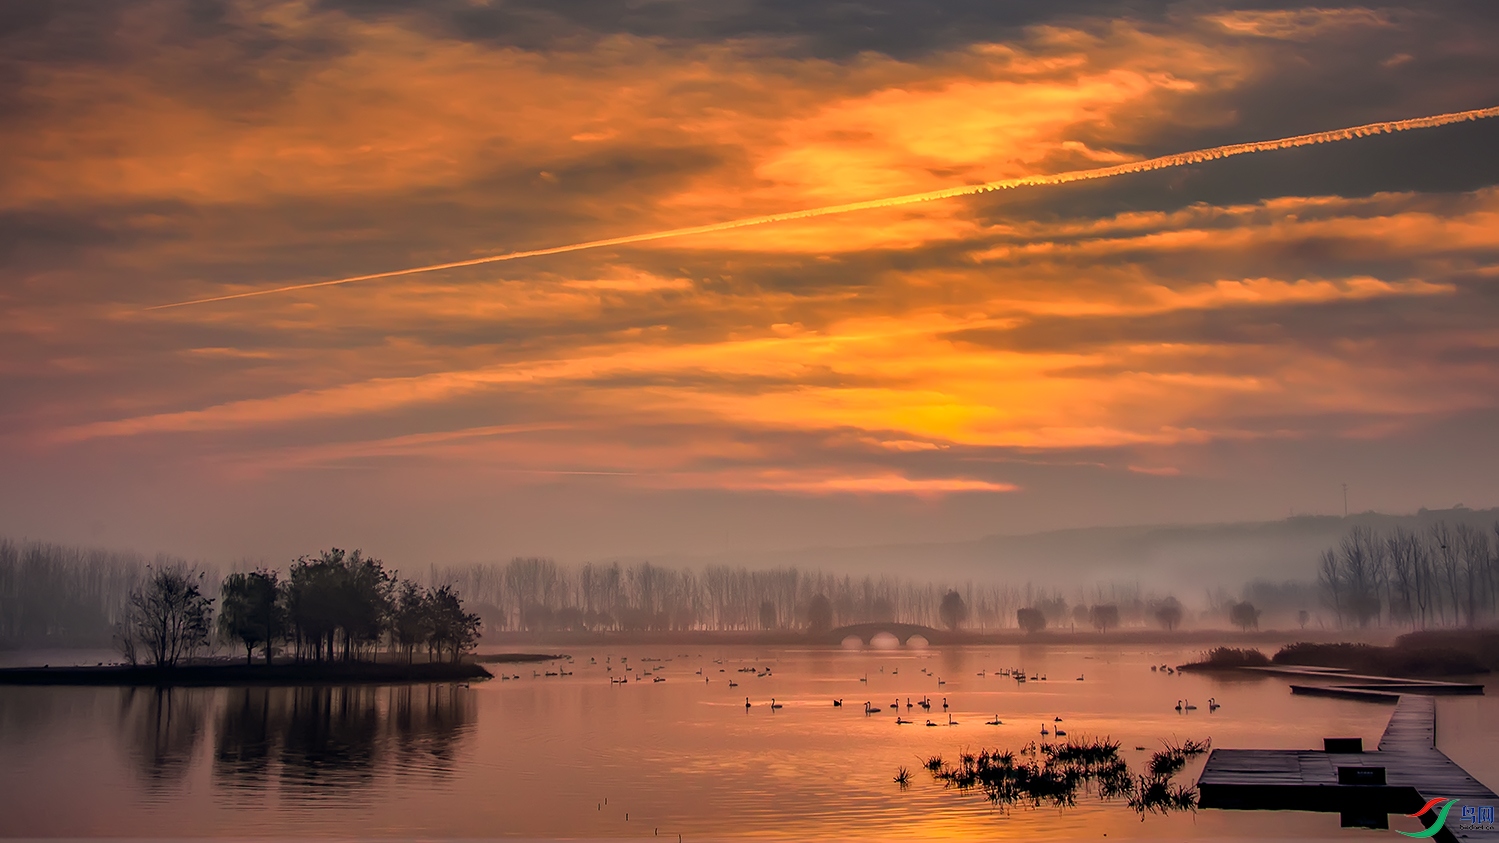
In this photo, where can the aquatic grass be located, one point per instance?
(903, 777)
(1056, 773)
(1169, 761)
(1155, 792)
(1046, 773)
(1228, 657)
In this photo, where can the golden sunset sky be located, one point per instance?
(1229, 340)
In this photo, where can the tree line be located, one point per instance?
(1442, 575)
(62, 596)
(333, 606)
(338, 605)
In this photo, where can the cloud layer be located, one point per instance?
(978, 364)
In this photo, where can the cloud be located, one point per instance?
(1024, 346)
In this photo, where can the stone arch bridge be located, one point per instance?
(865, 632)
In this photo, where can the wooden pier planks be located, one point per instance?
(1416, 771)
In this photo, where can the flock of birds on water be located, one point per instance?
(651, 665)
(925, 703)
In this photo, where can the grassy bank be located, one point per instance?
(1454, 652)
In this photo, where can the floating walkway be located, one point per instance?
(1380, 686)
(1365, 787)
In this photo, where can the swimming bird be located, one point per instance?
(900, 722)
(930, 723)
(896, 705)
(1178, 705)
(1061, 734)
(908, 703)
(944, 703)
(1043, 730)
(994, 722)
(1190, 707)
(774, 704)
(746, 704)
(733, 684)
(1056, 719)
(1212, 703)
(838, 703)
(950, 721)
(1079, 677)
(941, 681)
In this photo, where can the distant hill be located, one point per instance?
(1179, 556)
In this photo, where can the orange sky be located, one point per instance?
(1227, 340)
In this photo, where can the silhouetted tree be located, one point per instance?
(1104, 617)
(1244, 615)
(167, 618)
(767, 615)
(1169, 613)
(453, 630)
(250, 611)
(953, 610)
(339, 598)
(1031, 620)
(410, 623)
(820, 614)
(1080, 615)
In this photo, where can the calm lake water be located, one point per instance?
(578, 757)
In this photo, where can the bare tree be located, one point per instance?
(167, 617)
(1330, 578)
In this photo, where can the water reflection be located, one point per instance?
(683, 755)
(306, 741)
(161, 728)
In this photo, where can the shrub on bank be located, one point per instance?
(1226, 657)
(1406, 658)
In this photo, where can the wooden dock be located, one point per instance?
(1404, 773)
(1387, 684)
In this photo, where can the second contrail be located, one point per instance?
(1160, 163)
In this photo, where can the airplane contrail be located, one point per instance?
(1176, 160)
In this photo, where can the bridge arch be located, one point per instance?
(866, 632)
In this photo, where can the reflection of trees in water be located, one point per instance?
(315, 738)
(161, 728)
(242, 746)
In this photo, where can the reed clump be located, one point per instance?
(1056, 773)
(1048, 773)
(1155, 792)
(1228, 657)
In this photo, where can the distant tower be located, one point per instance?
(1345, 500)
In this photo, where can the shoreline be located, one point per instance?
(227, 675)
